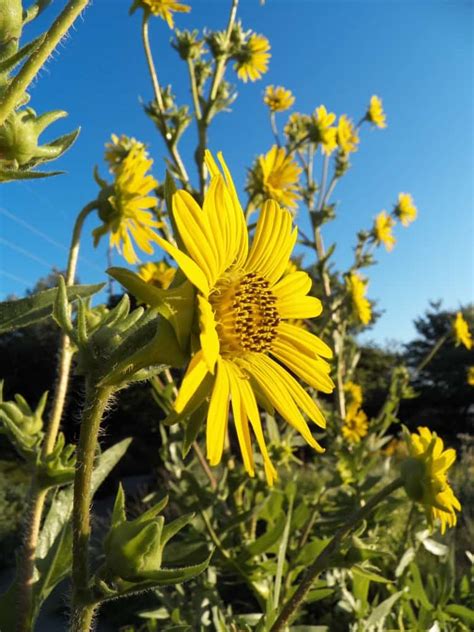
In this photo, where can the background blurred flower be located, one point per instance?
(165, 9)
(277, 177)
(461, 332)
(405, 210)
(357, 287)
(252, 59)
(118, 149)
(375, 113)
(157, 273)
(278, 99)
(346, 136)
(383, 230)
(355, 427)
(321, 130)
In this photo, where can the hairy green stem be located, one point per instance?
(96, 401)
(22, 80)
(37, 495)
(320, 563)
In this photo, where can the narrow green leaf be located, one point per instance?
(462, 612)
(379, 614)
(26, 311)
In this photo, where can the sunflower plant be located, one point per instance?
(281, 498)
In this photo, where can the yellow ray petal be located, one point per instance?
(240, 419)
(195, 231)
(313, 371)
(304, 340)
(192, 271)
(218, 415)
(294, 285)
(302, 307)
(197, 371)
(208, 336)
(250, 404)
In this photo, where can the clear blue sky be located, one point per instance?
(418, 56)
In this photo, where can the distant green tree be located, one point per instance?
(444, 394)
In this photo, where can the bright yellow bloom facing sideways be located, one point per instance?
(252, 61)
(470, 375)
(461, 331)
(375, 113)
(406, 210)
(355, 398)
(165, 9)
(124, 213)
(280, 176)
(355, 427)
(159, 274)
(323, 133)
(357, 287)
(278, 99)
(383, 230)
(247, 347)
(347, 137)
(425, 477)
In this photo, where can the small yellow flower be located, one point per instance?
(383, 230)
(357, 288)
(123, 207)
(165, 9)
(278, 99)
(248, 352)
(461, 331)
(355, 427)
(375, 113)
(425, 477)
(279, 175)
(297, 127)
(159, 274)
(252, 59)
(347, 137)
(470, 375)
(117, 150)
(406, 210)
(321, 130)
(355, 398)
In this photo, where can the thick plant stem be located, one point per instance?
(320, 563)
(431, 354)
(58, 30)
(37, 495)
(96, 401)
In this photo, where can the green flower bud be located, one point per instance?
(19, 137)
(188, 45)
(22, 425)
(11, 25)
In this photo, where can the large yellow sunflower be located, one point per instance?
(247, 351)
(124, 206)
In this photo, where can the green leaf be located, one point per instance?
(417, 591)
(266, 541)
(193, 426)
(462, 612)
(373, 577)
(379, 613)
(26, 311)
(9, 175)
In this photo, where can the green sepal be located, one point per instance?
(171, 529)
(11, 175)
(198, 398)
(175, 304)
(58, 467)
(26, 311)
(7, 65)
(23, 425)
(193, 426)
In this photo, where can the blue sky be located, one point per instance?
(418, 56)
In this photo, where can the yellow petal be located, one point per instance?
(197, 371)
(304, 340)
(313, 371)
(192, 271)
(208, 337)
(218, 415)
(240, 419)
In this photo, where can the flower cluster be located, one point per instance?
(356, 424)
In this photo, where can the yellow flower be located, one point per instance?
(425, 477)
(321, 130)
(252, 59)
(159, 274)
(165, 8)
(470, 375)
(355, 427)
(278, 99)
(347, 137)
(375, 113)
(406, 210)
(355, 398)
(118, 150)
(461, 331)
(248, 352)
(297, 127)
(279, 176)
(383, 230)
(123, 209)
(357, 288)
